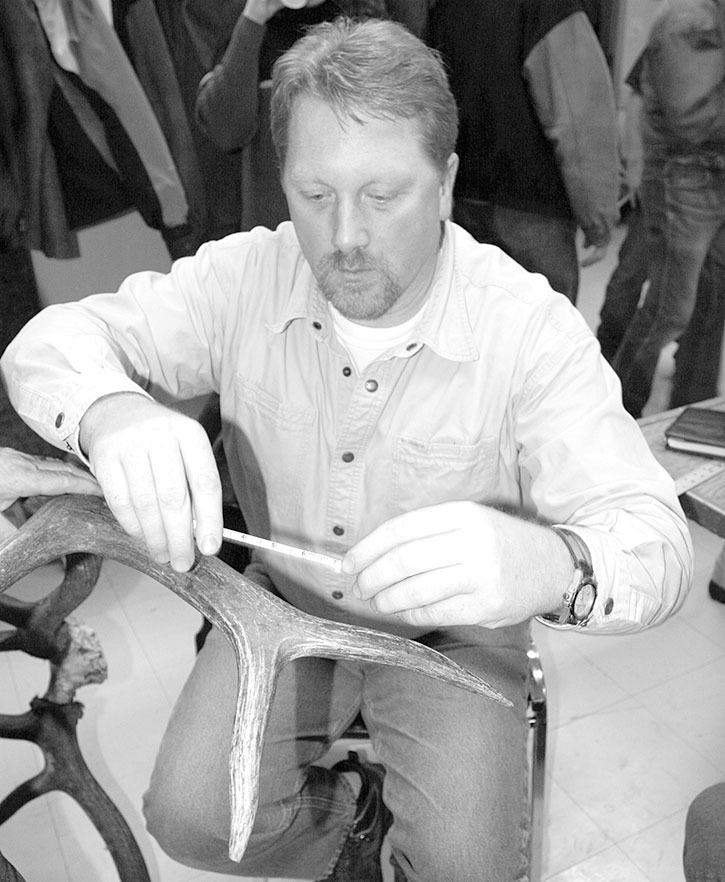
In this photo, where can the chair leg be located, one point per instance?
(537, 725)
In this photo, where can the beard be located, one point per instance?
(360, 287)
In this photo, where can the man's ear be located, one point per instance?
(446, 191)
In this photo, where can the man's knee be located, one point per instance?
(184, 829)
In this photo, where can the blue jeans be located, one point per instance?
(624, 288)
(684, 204)
(540, 243)
(456, 770)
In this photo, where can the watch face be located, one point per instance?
(583, 603)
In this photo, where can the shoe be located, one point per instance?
(717, 592)
(359, 859)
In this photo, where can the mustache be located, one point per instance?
(353, 261)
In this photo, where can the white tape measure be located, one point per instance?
(697, 475)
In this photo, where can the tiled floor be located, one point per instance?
(637, 727)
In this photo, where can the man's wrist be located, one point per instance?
(579, 598)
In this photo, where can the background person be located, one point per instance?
(683, 196)
(538, 137)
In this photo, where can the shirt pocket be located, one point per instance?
(276, 448)
(429, 472)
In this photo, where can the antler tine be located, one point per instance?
(326, 639)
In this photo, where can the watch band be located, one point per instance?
(583, 579)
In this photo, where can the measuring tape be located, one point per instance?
(698, 475)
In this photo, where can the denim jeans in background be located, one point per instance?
(684, 203)
(456, 768)
(538, 242)
(624, 288)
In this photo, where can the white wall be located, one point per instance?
(110, 251)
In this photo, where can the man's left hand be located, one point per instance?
(460, 563)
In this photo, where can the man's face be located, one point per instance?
(367, 203)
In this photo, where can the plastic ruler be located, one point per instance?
(698, 475)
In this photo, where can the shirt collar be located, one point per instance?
(444, 326)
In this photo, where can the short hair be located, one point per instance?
(367, 68)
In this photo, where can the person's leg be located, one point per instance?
(624, 288)
(716, 588)
(541, 244)
(683, 214)
(304, 811)
(697, 359)
(456, 768)
(704, 853)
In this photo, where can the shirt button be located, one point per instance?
(337, 595)
(338, 531)
(608, 606)
(346, 371)
(59, 420)
(371, 385)
(317, 326)
(411, 346)
(347, 456)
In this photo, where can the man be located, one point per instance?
(683, 199)
(538, 140)
(394, 392)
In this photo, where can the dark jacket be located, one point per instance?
(538, 121)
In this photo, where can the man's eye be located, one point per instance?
(380, 198)
(316, 197)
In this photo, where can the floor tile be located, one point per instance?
(657, 851)
(639, 661)
(626, 769)
(583, 837)
(688, 706)
(610, 865)
(29, 841)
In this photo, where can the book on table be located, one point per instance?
(698, 430)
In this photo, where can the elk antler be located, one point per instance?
(265, 631)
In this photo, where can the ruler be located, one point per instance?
(697, 475)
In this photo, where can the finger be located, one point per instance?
(449, 612)
(54, 477)
(174, 504)
(404, 561)
(417, 524)
(205, 488)
(420, 590)
(112, 478)
(145, 502)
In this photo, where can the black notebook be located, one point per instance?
(698, 430)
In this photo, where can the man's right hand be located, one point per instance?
(157, 472)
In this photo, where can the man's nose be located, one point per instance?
(350, 227)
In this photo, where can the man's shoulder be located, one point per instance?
(499, 292)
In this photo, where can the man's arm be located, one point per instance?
(226, 101)
(571, 90)
(80, 373)
(583, 464)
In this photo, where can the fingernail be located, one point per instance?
(208, 545)
(348, 565)
(181, 564)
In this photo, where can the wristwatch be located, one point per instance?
(579, 598)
